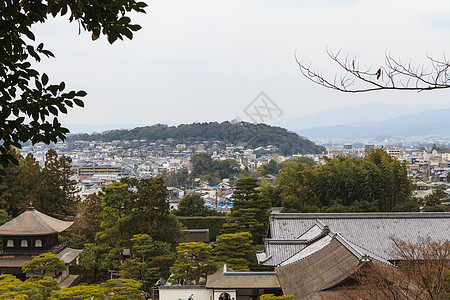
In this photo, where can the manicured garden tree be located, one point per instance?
(34, 288)
(235, 250)
(194, 262)
(44, 264)
(82, 292)
(123, 289)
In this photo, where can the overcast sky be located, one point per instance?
(206, 60)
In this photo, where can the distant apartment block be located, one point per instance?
(369, 148)
(97, 171)
(393, 152)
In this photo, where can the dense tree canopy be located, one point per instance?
(194, 262)
(34, 288)
(213, 171)
(133, 214)
(151, 261)
(193, 205)
(49, 189)
(29, 103)
(375, 183)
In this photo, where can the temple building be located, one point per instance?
(30, 234)
(314, 255)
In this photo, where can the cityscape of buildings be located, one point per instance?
(97, 164)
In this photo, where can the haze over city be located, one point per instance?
(207, 60)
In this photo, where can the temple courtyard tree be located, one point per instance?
(44, 264)
(30, 103)
(235, 250)
(194, 262)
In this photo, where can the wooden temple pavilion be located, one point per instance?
(30, 234)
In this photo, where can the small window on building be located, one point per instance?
(38, 244)
(24, 243)
(10, 243)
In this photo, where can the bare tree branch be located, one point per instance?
(393, 75)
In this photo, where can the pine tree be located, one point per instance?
(194, 262)
(250, 210)
(235, 250)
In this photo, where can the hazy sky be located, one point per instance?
(206, 60)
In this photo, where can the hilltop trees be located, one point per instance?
(252, 135)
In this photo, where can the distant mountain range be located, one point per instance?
(374, 119)
(249, 134)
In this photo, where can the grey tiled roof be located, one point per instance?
(278, 251)
(370, 233)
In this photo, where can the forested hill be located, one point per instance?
(250, 134)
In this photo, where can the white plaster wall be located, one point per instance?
(183, 294)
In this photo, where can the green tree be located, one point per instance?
(192, 205)
(271, 192)
(87, 222)
(117, 230)
(235, 250)
(57, 192)
(44, 264)
(33, 288)
(122, 289)
(30, 105)
(435, 198)
(299, 160)
(375, 183)
(4, 217)
(81, 292)
(131, 207)
(30, 180)
(271, 167)
(151, 261)
(201, 164)
(92, 259)
(11, 190)
(250, 210)
(194, 262)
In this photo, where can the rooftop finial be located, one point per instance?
(30, 206)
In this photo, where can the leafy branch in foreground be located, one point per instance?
(395, 74)
(29, 103)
